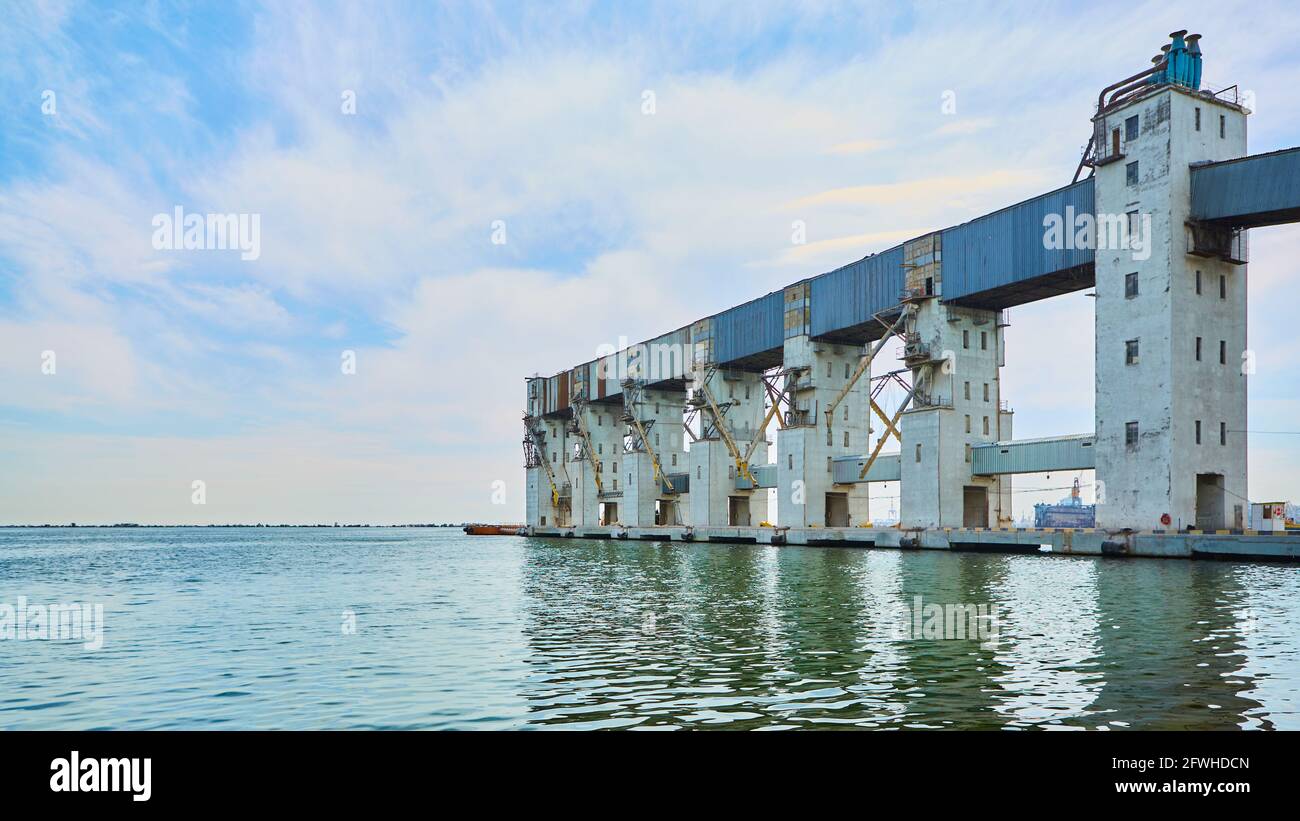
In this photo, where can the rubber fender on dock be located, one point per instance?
(1111, 548)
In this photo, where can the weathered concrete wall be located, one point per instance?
(963, 396)
(713, 470)
(1167, 390)
(804, 453)
(538, 504)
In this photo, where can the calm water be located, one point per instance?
(244, 628)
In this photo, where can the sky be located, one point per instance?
(456, 196)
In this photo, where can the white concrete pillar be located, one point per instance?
(715, 499)
(1155, 299)
(807, 495)
(957, 352)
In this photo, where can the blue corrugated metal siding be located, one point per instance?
(748, 329)
(1034, 455)
(851, 295)
(1006, 247)
(1244, 191)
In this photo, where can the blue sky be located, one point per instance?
(376, 225)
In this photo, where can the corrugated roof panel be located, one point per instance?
(852, 295)
(748, 329)
(1007, 247)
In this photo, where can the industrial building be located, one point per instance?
(670, 438)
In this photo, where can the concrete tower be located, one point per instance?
(1170, 313)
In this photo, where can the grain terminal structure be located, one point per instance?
(669, 438)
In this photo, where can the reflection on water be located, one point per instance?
(242, 629)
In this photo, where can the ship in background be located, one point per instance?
(1069, 512)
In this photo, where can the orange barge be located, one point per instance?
(492, 530)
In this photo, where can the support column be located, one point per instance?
(1170, 319)
(954, 353)
(601, 422)
(807, 495)
(715, 499)
(646, 501)
(546, 476)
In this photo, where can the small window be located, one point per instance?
(1131, 173)
(1198, 118)
(699, 471)
(1198, 431)
(1223, 433)
(1131, 128)
(918, 452)
(1223, 287)
(614, 467)
(986, 426)
(1131, 352)
(968, 451)
(1131, 433)
(828, 370)
(846, 370)
(965, 338)
(1198, 349)
(731, 471)
(1130, 285)
(1133, 225)
(986, 391)
(656, 440)
(1223, 126)
(1223, 351)
(656, 409)
(615, 484)
(747, 391)
(967, 390)
(984, 340)
(846, 411)
(552, 457)
(828, 465)
(789, 460)
(968, 423)
(600, 448)
(674, 460)
(600, 421)
(846, 439)
(1198, 283)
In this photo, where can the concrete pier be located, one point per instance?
(1226, 544)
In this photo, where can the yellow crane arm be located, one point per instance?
(587, 449)
(880, 443)
(742, 463)
(546, 463)
(654, 457)
(863, 366)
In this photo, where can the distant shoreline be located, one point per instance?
(131, 525)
